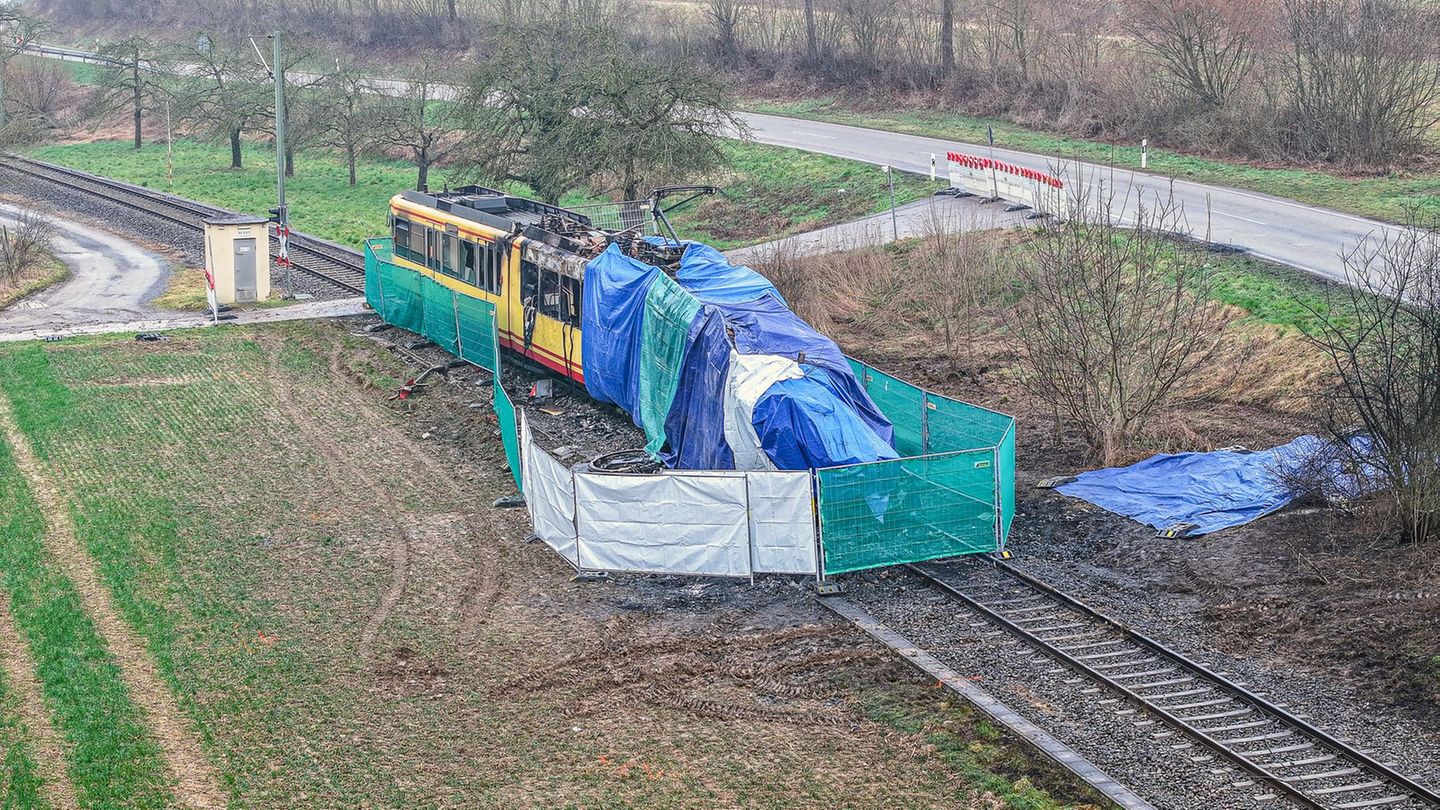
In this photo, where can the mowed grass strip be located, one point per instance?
(114, 762)
(769, 191)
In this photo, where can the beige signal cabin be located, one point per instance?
(237, 251)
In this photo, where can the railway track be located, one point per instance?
(338, 265)
(1280, 755)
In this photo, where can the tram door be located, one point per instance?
(246, 287)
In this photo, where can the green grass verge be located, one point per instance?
(113, 760)
(1388, 197)
(769, 191)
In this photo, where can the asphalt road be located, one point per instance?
(1302, 236)
(1284, 231)
(111, 279)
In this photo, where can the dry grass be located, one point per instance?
(32, 279)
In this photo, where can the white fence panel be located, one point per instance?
(782, 523)
(550, 494)
(677, 524)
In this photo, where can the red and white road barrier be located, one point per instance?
(985, 177)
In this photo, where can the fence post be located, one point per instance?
(819, 532)
(455, 308)
(924, 422)
(995, 488)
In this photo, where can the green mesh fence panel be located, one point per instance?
(509, 431)
(476, 333)
(439, 319)
(669, 310)
(907, 510)
(462, 325)
(954, 425)
(903, 404)
(1005, 460)
(377, 251)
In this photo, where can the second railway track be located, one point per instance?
(1279, 754)
(337, 265)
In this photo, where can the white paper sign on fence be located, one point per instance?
(694, 523)
(782, 523)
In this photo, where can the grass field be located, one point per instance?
(769, 191)
(346, 623)
(1388, 197)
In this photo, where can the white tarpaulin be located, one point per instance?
(750, 376)
(782, 523)
(550, 494)
(692, 523)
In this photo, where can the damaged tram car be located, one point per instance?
(703, 354)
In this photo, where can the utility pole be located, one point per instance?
(282, 222)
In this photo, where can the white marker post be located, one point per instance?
(1144, 153)
(894, 221)
(932, 167)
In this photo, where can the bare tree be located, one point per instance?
(133, 76)
(1205, 46)
(423, 121)
(1113, 323)
(347, 107)
(1365, 78)
(225, 92)
(960, 272)
(25, 243)
(559, 106)
(17, 30)
(1382, 334)
(725, 17)
(947, 37)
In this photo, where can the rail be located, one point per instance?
(333, 263)
(1290, 756)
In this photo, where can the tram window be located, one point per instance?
(570, 300)
(495, 268)
(529, 280)
(401, 232)
(469, 258)
(448, 265)
(432, 249)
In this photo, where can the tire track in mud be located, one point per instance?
(196, 782)
(480, 596)
(22, 675)
(314, 435)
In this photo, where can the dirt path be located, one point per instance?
(196, 783)
(46, 741)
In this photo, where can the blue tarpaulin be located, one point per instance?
(612, 318)
(652, 348)
(808, 424)
(767, 326)
(706, 272)
(695, 426)
(1213, 491)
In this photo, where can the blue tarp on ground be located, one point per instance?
(1215, 490)
(706, 272)
(695, 426)
(809, 424)
(612, 317)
